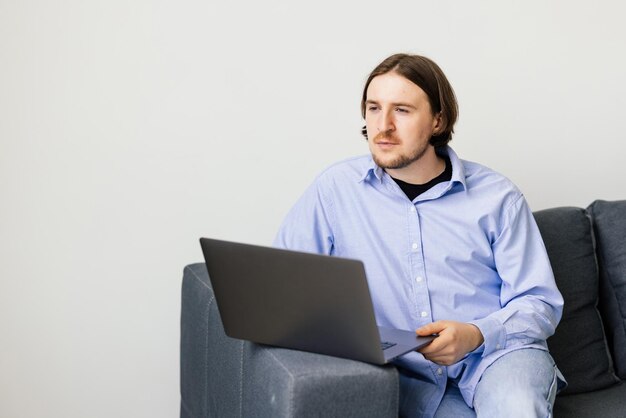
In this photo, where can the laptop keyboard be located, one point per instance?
(386, 344)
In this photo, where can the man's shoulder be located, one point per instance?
(486, 184)
(479, 175)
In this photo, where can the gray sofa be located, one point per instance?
(223, 377)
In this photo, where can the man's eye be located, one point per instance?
(371, 108)
(401, 110)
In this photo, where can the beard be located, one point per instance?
(394, 162)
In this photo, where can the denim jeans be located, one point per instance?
(522, 383)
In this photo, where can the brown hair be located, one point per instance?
(427, 75)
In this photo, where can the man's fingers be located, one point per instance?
(443, 360)
(442, 354)
(430, 329)
(434, 346)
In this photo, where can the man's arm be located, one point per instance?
(531, 303)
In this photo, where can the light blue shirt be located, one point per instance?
(466, 250)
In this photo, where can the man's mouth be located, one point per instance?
(386, 143)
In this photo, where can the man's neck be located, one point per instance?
(421, 171)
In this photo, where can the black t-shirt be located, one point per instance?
(414, 190)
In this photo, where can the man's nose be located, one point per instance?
(386, 122)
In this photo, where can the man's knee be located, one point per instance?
(521, 383)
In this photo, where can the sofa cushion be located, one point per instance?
(609, 220)
(606, 403)
(578, 345)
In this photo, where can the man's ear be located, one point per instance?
(438, 123)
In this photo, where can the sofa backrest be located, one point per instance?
(609, 225)
(579, 345)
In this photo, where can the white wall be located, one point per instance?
(128, 129)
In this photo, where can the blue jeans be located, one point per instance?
(522, 383)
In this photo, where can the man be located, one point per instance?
(450, 248)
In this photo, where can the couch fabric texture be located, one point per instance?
(224, 377)
(610, 230)
(583, 356)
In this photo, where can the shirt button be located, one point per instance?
(498, 346)
(414, 246)
(440, 371)
(424, 314)
(412, 208)
(419, 279)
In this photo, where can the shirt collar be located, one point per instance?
(372, 171)
(458, 171)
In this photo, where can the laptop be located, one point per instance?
(301, 301)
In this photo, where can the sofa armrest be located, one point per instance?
(224, 377)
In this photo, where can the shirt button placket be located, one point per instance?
(416, 256)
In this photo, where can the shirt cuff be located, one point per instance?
(493, 334)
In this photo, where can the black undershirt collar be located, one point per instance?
(414, 190)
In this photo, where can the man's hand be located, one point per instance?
(455, 340)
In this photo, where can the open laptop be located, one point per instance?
(301, 301)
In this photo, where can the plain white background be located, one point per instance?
(128, 129)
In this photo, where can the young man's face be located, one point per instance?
(399, 121)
